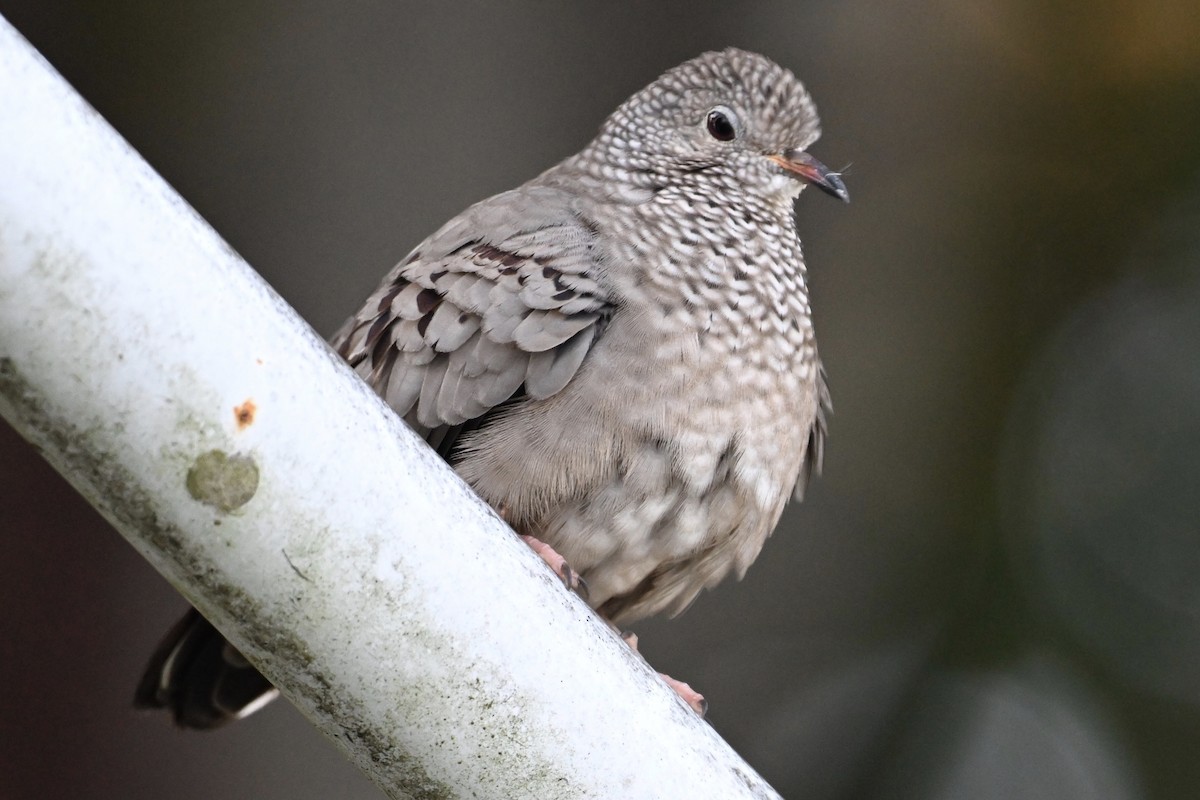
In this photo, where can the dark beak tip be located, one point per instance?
(812, 171)
(836, 188)
(833, 186)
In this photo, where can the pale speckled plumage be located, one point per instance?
(619, 354)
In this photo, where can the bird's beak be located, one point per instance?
(812, 171)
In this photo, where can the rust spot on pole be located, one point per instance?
(244, 414)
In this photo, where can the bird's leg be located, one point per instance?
(575, 583)
(685, 692)
(570, 578)
(556, 562)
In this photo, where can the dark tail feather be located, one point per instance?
(201, 678)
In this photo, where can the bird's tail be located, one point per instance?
(200, 678)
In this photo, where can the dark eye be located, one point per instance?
(720, 126)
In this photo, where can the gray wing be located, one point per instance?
(814, 456)
(502, 302)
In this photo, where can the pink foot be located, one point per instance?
(686, 693)
(556, 562)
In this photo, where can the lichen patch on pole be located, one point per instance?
(225, 482)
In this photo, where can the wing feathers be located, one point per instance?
(479, 310)
(402, 388)
(550, 370)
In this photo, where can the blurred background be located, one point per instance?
(993, 592)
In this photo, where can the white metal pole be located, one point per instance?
(184, 399)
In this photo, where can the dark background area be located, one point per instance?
(993, 592)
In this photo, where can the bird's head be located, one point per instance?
(736, 117)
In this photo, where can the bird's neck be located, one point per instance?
(696, 247)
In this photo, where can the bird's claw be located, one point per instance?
(570, 578)
(694, 699)
(686, 693)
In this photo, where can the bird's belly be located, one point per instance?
(683, 508)
(657, 490)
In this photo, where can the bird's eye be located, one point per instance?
(720, 125)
